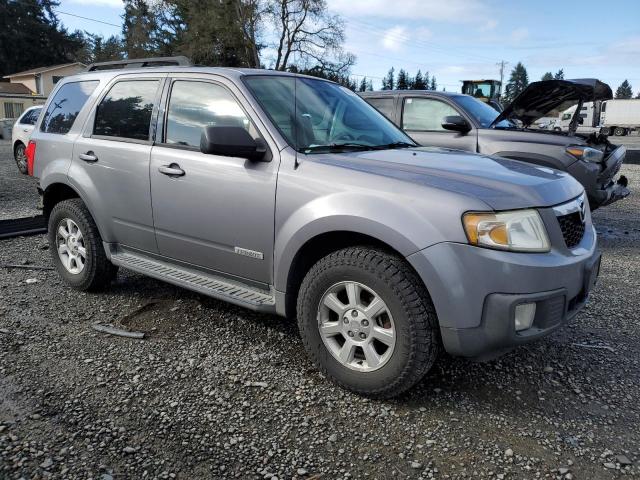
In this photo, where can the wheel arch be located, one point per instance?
(317, 247)
(16, 143)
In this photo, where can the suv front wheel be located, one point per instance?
(367, 321)
(76, 247)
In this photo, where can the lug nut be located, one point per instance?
(363, 335)
(346, 320)
(365, 323)
(350, 333)
(354, 313)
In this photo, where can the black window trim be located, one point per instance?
(163, 114)
(453, 105)
(59, 86)
(107, 89)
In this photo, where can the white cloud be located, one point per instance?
(489, 25)
(395, 38)
(101, 3)
(457, 11)
(519, 34)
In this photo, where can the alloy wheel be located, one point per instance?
(356, 326)
(70, 245)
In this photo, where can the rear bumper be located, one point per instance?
(475, 292)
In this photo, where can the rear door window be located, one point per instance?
(30, 117)
(384, 105)
(125, 112)
(66, 105)
(425, 114)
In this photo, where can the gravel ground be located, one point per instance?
(215, 391)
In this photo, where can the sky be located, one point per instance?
(462, 39)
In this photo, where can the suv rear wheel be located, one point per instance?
(76, 247)
(21, 157)
(367, 321)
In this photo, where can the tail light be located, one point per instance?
(30, 153)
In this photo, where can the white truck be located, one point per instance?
(620, 117)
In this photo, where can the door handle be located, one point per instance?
(25, 130)
(172, 170)
(88, 157)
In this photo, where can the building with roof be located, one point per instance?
(31, 87)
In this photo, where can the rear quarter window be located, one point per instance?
(385, 106)
(66, 105)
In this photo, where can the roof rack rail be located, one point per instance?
(141, 63)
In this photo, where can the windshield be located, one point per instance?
(483, 113)
(317, 116)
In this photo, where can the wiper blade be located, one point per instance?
(389, 146)
(338, 147)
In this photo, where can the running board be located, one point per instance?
(207, 284)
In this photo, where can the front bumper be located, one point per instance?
(475, 292)
(599, 179)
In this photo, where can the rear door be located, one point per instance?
(422, 119)
(218, 214)
(111, 160)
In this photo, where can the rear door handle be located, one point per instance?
(172, 170)
(88, 157)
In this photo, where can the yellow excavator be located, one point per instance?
(486, 90)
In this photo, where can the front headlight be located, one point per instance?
(587, 154)
(517, 230)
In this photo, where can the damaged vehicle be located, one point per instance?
(454, 120)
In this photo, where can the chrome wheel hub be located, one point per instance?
(356, 326)
(70, 245)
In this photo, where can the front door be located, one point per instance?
(211, 211)
(422, 120)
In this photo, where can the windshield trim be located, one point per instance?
(281, 134)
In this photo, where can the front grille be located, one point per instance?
(572, 228)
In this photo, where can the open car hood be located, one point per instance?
(539, 98)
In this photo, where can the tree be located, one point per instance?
(547, 76)
(308, 34)
(140, 29)
(518, 81)
(388, 82)
(624, 90)
(433, 85)
(31, 36)
(559, 75)
(419, 82)
(363, 85)
(638, 95)
(403, 80)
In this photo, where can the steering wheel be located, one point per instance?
(344, 136)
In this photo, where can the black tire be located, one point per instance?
(98, 271)
(605, 131)
(21, 159)
(620, 132)
(417, 335)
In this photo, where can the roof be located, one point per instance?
(15, 88)
(413, 93)
(228, 72)
(35, 71)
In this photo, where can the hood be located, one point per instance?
(540, 98)
(501, 183)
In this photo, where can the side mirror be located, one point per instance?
(455, 123)
(231, 141)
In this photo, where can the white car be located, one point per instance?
(20, 135)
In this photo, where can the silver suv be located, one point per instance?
(290, 195)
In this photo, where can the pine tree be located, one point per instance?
(139, 29)
(403, 80)
(369, 86)
(433, 85)
(363, 85)
(638, 95)
(388, 82)
(518, 81)
(418, 82)
(547, 76)
(624, 90)
(559, 75)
